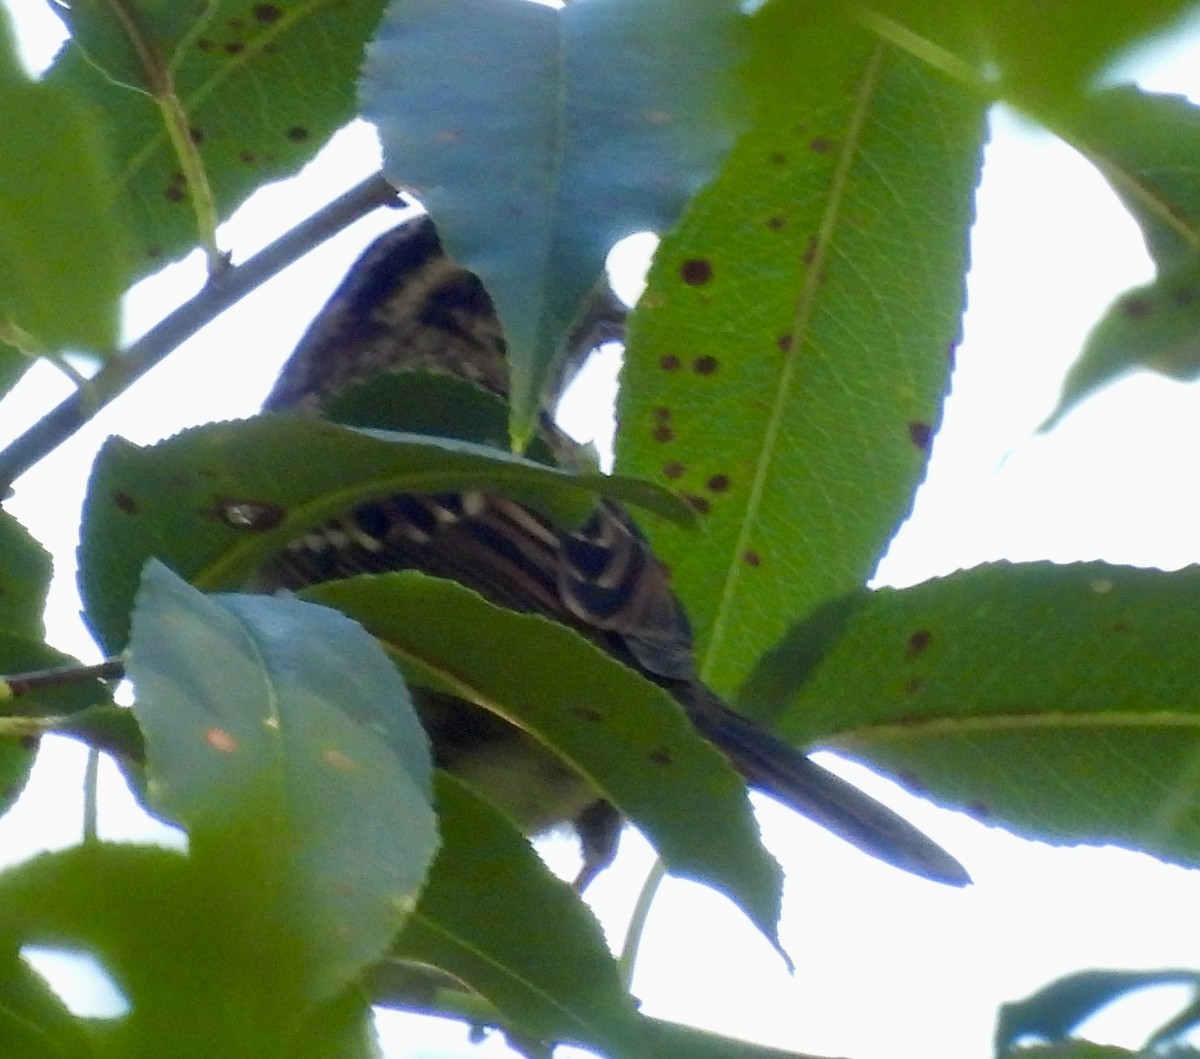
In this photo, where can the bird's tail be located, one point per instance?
(838, 806)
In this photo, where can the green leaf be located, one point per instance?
(284, 740)
(531, 947)
(60, 246)
(1055, 1011)
(33, 1022)
(18, 655)
(787, 363)
(212, 502)
(219, 57)
(1155, 327)
(167, 929)
(561, 131)
(24, 579)
(630, 739)
(1146, 147)
(1026, 51)
(1057, 701)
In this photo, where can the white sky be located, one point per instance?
(887, 965)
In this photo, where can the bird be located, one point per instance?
(405, 306)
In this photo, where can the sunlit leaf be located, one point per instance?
(787, 364)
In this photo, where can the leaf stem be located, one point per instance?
(222, 290)
(637, 921)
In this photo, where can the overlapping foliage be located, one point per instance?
(812, 167)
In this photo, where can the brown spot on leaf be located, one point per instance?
(205, 44)
(670, 362)
(820, 144)
(663, 433)
(917, 643)
(705, 365)
(674, 469)
(777, 158)
(696, 271)
(662, 413)
(297, 134)
(339, 761)
(660, 756)
(219, 739)
(266, 13)
(718, 483)
(250, 515)
(751, 557)
(698, 502)
(125, 502)
(235, 47)
(196, 134)
(776, 223)
(586, 713)
(1136, 306)
(785, 342)
(810, 251)
(920, 434)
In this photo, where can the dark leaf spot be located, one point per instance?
(297, 134)
(154, 251)
(718, 483)
(125, 502)
(248, 157)
(661, 756)
(917, 642)
(705, 365)
(698, 502)
(912, 685)
(196, 134)
(249, 515)
(267, 13)
(920, 434)
(1136, 306)
(205, 44)
(663, 433)
(234, 47)
(776, 223)
(751, 557)
(670, 362)
(662, 413)
(785, 342)
(696, 272)
(1183, 296)
(586, 713)
(810, 251)
(674, 469)
(821, 144)
(777, 158)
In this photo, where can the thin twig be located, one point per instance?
(61, 676)
(223, 290)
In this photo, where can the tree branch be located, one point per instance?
(224, 289)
